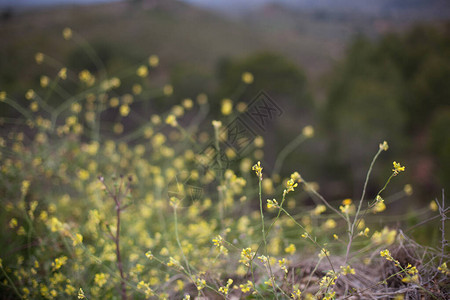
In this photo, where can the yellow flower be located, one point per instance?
(30, 94)
(272, 203)
(142, 71)
(397, 168)
(386, 254)
(63, 73)
(444, 269)
(168, 90)
(347, 270)
(258, 169)
(216, 124)
(384, 146)
(187, 103)
(433, 206)
(171, 120)
(67, 33)
(290, 185)
(290, 249)
(227, 107)
(217, 241)
(324, 252)
(379, 205)
(408, 189)
(124, 110)
(224, 289)
(39, 58)
(81, 294)
(308, 131)
(282, 264)
(247, 77)
(201, 283)
(329, 224)
(153, 60)
(59, 262)
(100, 279)
(78, 239)
(386, 236)
(44, 81)
(246, 256)
(246, 287)
(319, 209)
(25, 186)
(296, 294)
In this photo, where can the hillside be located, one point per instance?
(124, 34)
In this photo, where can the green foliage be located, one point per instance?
(272, 72)
(440, 144)
(390, 87)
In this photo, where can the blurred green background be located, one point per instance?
(359, 74)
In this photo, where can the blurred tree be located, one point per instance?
(389, 89)
(363, 109)
(271, 72)
(286, 84)
(440, 145)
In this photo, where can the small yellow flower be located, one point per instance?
(347, 270)
(78, 239)
(408, 189)
(272, 203)
(67, 33)
(290, 249)
(30, 94)
(187, 103)
(168, 90)
(142, 71)
(379, 205)
(384, 146)
(63, 73)
(433, 206)
(282, 263)
(245, 288)
(153, 60)
(224, 289)
(25, 186)
(290, 185)
(386, 254)
(13, 223)
(216, 124)
(329, 224)
(217, 241)
(124, 110)
(81, 294)
(319, 209)
(2, 96)
(308, 131)
(149, 255)
(444, 269)
(397, 168)
(39, 58)
(323, 253)
(100, 279)
(201, 283)
(258, 169)
(246, 256)
(247, 77)
(171, 120)
(347, 201)
(227, 107)
(296, 294)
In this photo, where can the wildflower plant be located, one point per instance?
(172, 228)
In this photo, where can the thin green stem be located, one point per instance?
(11, 282)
